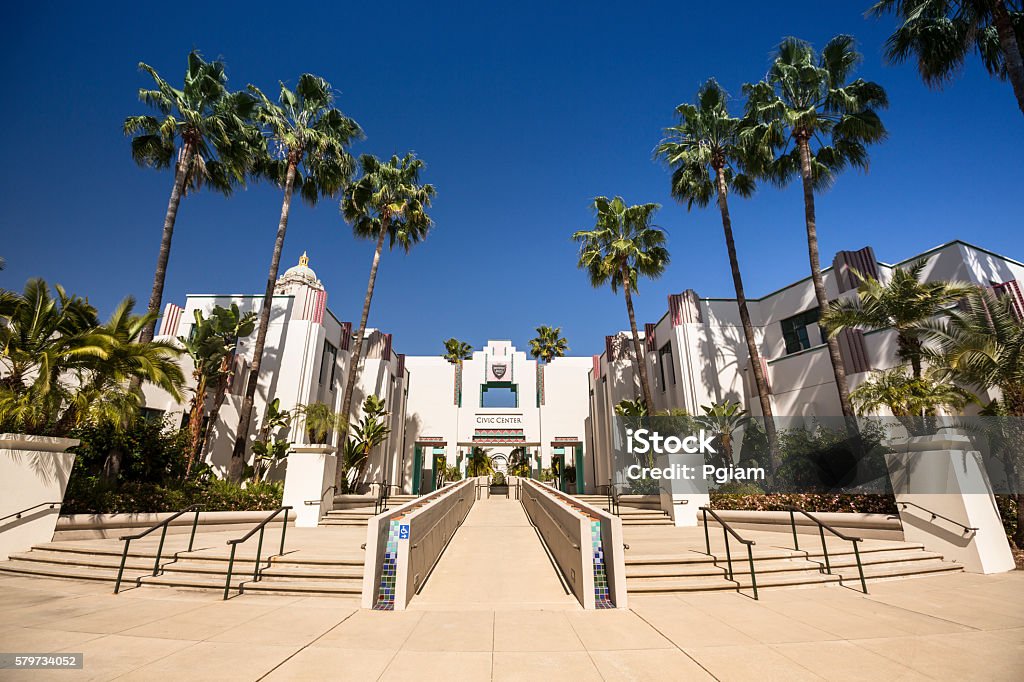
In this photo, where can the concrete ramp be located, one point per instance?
(496, 561)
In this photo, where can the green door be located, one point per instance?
(580, 487)
(440, 462)
(558, 460)
(417, 468)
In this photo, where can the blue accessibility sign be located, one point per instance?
(403, 531)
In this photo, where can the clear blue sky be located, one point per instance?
(522, 113)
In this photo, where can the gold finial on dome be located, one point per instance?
(304, 260)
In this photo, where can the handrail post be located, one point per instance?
(231, 564)
(860, 567)
(728, 554)
(792, 521)
(159, 550)
(284, 529)
(707, 538)
(259, 552)
(753, 576)
(120, 571)
(195, 522)
(824, 549)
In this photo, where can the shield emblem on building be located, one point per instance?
(498, 369)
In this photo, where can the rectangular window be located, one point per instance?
(328, 363)
(795, 330)
(499, 395)
(665, 359)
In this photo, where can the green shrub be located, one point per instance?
(89, 495)
(152, 450)
(498, 478)
(739, 498)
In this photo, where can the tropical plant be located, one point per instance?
(710, 153)
(911, 399)
(353, 458)
(498, 479)
(518, 462)
(723, 419)
(480, 462)
(229, 325)
(904, 303)
(456, 351)
(631, 408)
(320, 421)
(309, 141)
(202, 129)
(941, 33)
(548, 344)
(368, 433)
(388, 200)
(623, 246)
(806, 100)
(268, 449)
(62, 369)
(211, 345)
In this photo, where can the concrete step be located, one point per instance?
(761, 554)
(741, 565)
(710, 584)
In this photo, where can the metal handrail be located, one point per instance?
(261, 527)
(434, 525)
(558, 525)
(18, 515)
(321, 500)
(822, 527)
(935, 515)
(728, 530)
(160, 549)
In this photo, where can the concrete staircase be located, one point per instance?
(777, 567)
(338, 575)
(344, 514)
(634, 510)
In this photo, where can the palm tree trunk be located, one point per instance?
(356, 353)
(245, 415)
(641, 356)
(218, 401)
(195, 423)
(157, 294)
(819, 283)
(748, 329)
(1011, 50)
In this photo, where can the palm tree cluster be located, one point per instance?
(63, 368)
(220, 139)
(548, 344)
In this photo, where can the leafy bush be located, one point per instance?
(497, 478)
(89, 495)
(744, 496)
(152, 450)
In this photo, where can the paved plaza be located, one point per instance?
(495, 610)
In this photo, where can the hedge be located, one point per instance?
(88, 495)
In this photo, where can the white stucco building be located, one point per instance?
(561, 412)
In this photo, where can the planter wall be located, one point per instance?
(34, 470)
(88, 526)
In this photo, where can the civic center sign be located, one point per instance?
(499, 420)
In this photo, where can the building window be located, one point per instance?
(329, 361)
(499, 395)
(795, 330)
(665, 359)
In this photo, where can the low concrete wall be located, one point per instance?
(867, 526)
(612, 544)
(566, 533)
(430, 529)
(34, 470)
(309, 482)
(377, 530)
(88, 526)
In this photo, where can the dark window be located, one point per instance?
(795, 330)
(150, 414)
(329, 361)
(665, 359)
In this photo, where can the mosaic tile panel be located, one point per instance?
(602, 593)
(388, 572)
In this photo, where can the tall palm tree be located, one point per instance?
(548, 344)
(807, 99)
(904, 303)
(456, 351)
(309, 141)
(624, 246)
(941, 33)
(202, 129)
(710, 153)
(387, 201)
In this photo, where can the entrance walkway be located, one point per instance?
(496, 561)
